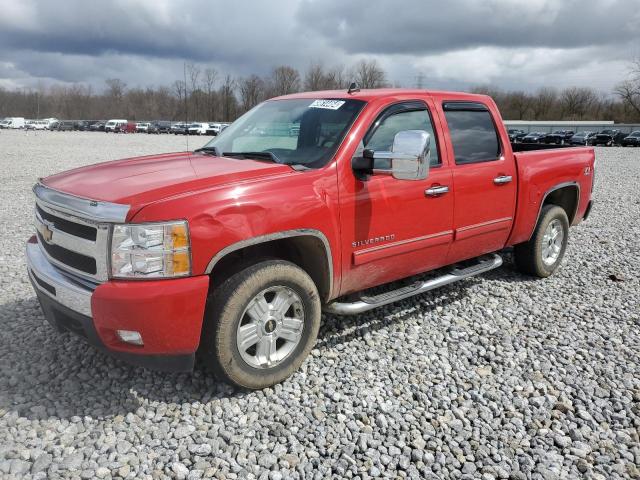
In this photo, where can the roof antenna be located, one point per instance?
(353, 88)
(186, 105)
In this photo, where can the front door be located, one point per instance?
(395, 228)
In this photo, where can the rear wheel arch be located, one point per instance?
(309, 249)
(566, 196)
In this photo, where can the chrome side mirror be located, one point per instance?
(409, 157)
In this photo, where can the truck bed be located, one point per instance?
(542, 169)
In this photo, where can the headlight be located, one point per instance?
(151, 250)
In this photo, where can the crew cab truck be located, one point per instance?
(232, 251)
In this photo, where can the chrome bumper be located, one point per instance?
(48, 280)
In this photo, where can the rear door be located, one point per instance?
(484, 179)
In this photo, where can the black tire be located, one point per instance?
(529, 255)
(226, 310)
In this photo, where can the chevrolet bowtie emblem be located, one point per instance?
(46, 232)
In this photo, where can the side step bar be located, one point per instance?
(364, 303)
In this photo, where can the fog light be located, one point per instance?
(129, 336)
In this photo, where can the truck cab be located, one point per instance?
(301, 205)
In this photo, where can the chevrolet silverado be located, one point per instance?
(230, 253)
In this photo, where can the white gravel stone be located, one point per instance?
(498, 376)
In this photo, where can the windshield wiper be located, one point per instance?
(214, 150)
(255, 155)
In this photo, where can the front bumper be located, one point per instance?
(167, 313)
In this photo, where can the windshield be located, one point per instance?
(635, 134)
(292, 131)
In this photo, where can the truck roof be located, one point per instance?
(372, 94)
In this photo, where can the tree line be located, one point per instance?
(208, 95)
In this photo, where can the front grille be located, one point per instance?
(75, 260)
(72, 228)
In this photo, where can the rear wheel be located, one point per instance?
(542, 254)
(261, 324)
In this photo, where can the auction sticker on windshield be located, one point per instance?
(328, 104)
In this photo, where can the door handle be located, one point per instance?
(502, 179)
(436, 191)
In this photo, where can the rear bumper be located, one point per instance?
(168, 314)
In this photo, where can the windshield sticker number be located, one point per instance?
(327, 104)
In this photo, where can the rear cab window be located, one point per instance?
(474, 136)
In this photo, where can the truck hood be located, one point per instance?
(143, 180)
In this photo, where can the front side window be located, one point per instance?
(400, 117)
(473, 134)
(304, 132)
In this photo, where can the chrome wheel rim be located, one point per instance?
(552, 242)
(270, 327)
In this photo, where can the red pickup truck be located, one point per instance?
(304, 204)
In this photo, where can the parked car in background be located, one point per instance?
(35, 125)
(159, 126)
(97, 127)
(64, 126)
(81, 125)
(631, 140)
(609, 138)
(213, 128)
(198, 128)
(13, 123)
(559, 137)
(516, 135)
(111, 125)
(50, 122)
(582, 138)
(141, 127)
(127, 127)
(534, 137)
(180, 129)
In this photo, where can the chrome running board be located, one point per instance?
(457, 273)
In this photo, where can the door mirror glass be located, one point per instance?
(409, 156)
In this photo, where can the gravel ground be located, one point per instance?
(500, 376)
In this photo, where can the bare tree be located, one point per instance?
(209, 86)
(284, 80)
(115, 88)
(520, 103)
(228, 100)
(251, 92)
(180, 91)
(543, 102)
(576, 101)
(317, 78)
(629, 90)
(368, 74)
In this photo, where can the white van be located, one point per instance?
(12, 122)
(111, 125)
(49, 122)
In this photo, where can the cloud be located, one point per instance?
(454, 44)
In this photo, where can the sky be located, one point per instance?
(451, 44)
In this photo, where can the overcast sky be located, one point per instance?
(453, 44)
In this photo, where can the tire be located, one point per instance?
(531, 257)
(227, 313)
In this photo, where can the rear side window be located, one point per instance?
(473, 133)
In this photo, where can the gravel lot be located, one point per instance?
(500, 376)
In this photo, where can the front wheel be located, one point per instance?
(261, 324)
(542, 254)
